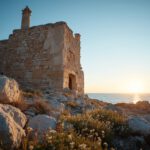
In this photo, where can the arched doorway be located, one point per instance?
(72, 82)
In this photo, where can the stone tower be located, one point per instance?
(43, 57)
(26, 12)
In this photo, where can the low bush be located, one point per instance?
(142, 107)
(99, 123)
(42, 106)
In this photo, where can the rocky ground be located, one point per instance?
(21, 111)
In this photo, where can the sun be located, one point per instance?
(136, 87)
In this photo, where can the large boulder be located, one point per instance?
(42, 123)
(12, 121)
(130, 143)
(9, 90)
(15, 114)
(139, 125)
(147, 117)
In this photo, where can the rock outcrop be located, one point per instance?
(42, 123)
(139, 125)
(9, 90)
(12, 121)
(130, 143)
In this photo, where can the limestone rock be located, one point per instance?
(30, 112)
(11, 122)
(9, 90)
(57, 105)
(140, 125)
(130, 143)
(147, 117)
(42, 123)
(15, 114)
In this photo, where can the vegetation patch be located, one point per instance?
(30, 93)
(42, 107)
(72, 104)
(99, 123)
(61, 141)
(141, 107)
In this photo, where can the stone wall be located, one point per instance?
(72, 61)
(43, 57)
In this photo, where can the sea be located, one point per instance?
(119, 98)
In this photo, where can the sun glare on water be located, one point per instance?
(136, 87)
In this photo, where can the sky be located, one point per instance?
(115, 38)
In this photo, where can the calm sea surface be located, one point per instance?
(118, 98)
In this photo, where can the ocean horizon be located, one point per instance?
(120, 97)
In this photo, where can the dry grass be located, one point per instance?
(42, 107)
(72, 104)
(21, 103)
(141, 107)
(32, 93)
(65, 113)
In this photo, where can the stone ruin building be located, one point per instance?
(43, 57)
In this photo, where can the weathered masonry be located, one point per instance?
(43, 57)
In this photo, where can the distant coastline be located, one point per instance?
(120, 97)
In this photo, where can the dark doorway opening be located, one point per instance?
(72, 82)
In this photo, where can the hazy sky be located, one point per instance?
(115, 37)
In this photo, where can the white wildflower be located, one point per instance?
(96, 133)
(105, 145)
(72, 144)
(82, 146)
(70, 137)
(99, 139)
(52, 131)
(29, 129)
(31, 147)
